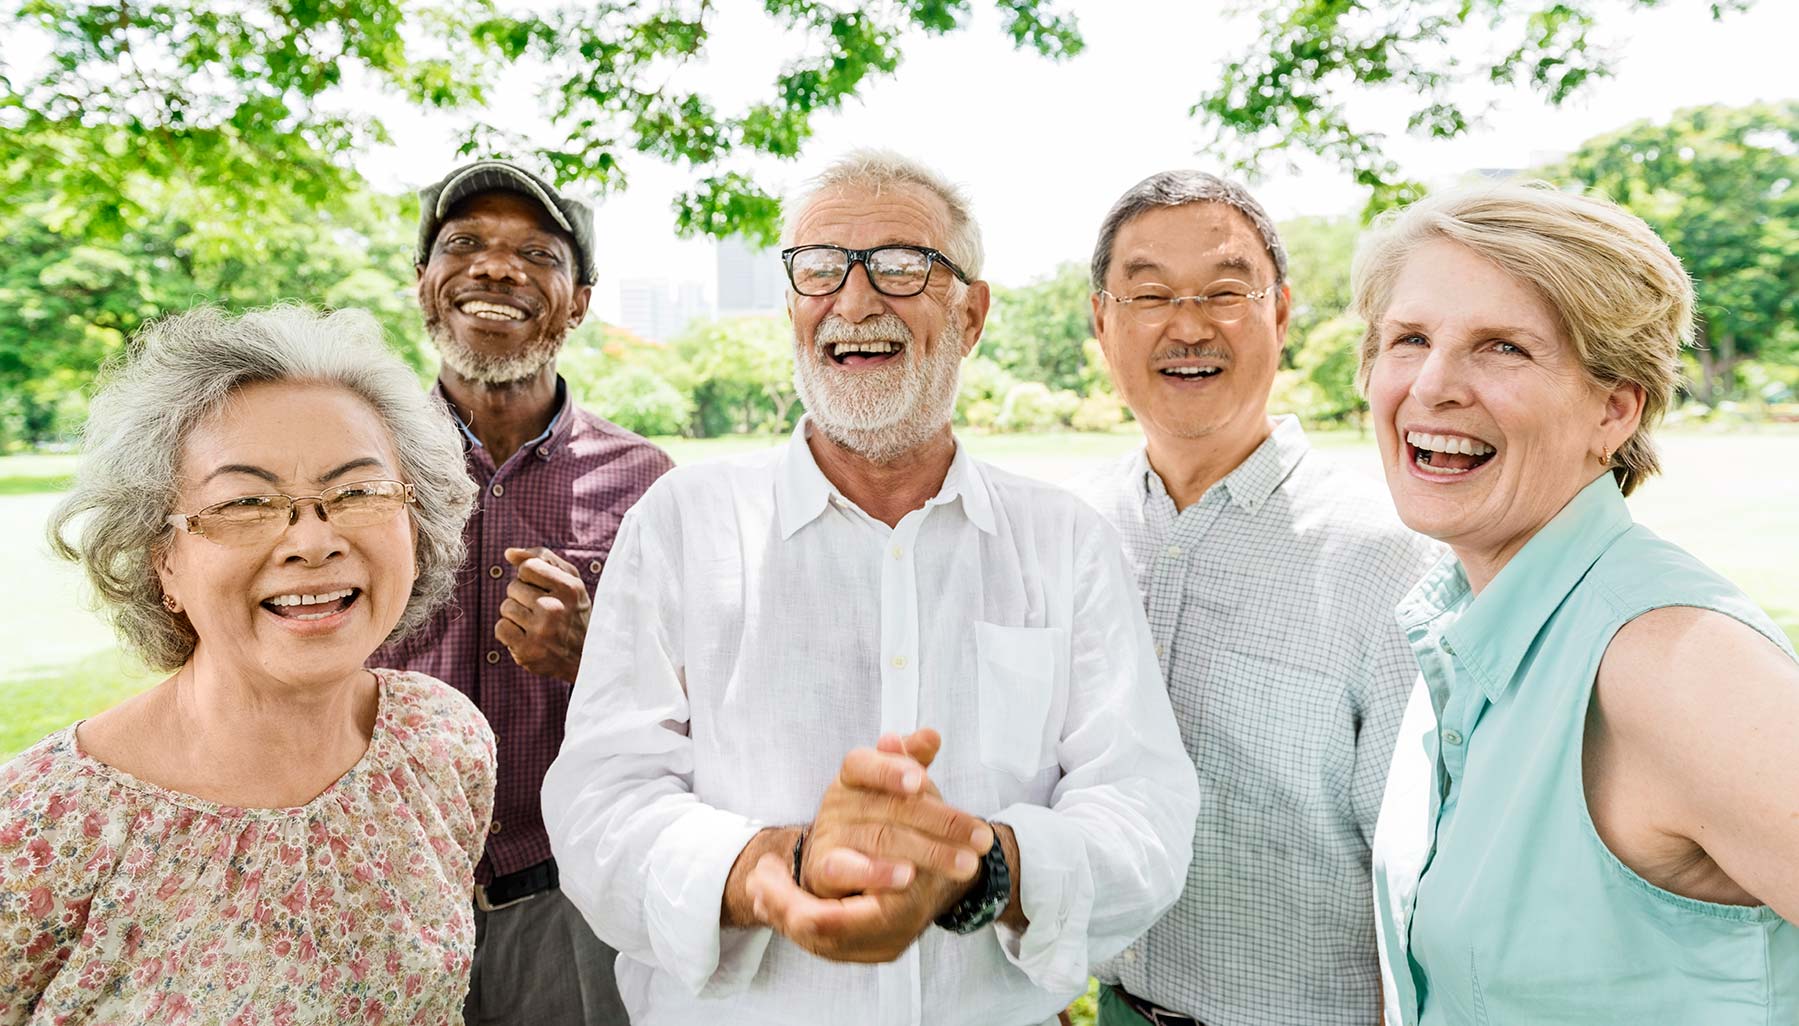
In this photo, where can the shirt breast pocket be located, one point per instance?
(1019, 670)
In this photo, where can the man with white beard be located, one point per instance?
(505, 269)
(872, 724)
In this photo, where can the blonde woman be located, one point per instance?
(1593, 810)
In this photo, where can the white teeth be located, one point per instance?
(490, 311)
(310, 600)
(843, 348)
(1448, 443)
(1191, 372)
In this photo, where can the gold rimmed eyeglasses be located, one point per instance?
(248, 519)
(1225, 302)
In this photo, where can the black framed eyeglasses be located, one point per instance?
(897, 271)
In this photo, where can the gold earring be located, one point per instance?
(1605, 456)
(169, 603)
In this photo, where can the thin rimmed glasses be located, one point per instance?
(1225, 302)
(897, 271)
(249, 519)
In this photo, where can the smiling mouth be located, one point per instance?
(1190, 373)
(1447, 455)
(491, 311)
(305, 606)
(858, 354)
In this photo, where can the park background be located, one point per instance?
(155, 154)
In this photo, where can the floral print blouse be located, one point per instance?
(123, 902)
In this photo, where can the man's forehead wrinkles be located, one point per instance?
(895, 215)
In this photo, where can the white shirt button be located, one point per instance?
(898, 552)
(899, 662)
(1452, 737)
(1174, 552)
(499, 490)
(1159, 650)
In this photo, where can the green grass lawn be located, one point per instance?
(37, 703)
(34, 474)
(1731, 498)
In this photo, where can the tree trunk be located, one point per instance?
(1708, 363)
(783, 401)
(1726, 365)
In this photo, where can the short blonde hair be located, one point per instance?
(1623, 298)
(875, 170)
(180, 370)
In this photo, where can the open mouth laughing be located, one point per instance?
(493, 309)
(863, 354)
(1190, 373)
(311, 606)
(1447, 455)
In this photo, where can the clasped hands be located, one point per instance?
(884, 857)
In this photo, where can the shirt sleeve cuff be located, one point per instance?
(1056, 890)
(689, 866)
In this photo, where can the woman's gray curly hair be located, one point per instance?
(180, 370)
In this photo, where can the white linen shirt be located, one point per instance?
(753, 626)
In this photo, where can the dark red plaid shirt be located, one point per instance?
(566, 491)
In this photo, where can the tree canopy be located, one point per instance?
(255, 94)
(1721, 186)
(1284, 93)
(69, 296)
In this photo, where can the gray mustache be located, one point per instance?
(1194, 353)
(879, 329)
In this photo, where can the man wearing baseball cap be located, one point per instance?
(505, 270)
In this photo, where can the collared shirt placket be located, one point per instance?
(1179, 533)
(1459, 702)
(1172, 573)
(900, 983)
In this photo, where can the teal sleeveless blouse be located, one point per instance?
(1497, 901)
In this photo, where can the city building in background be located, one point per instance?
(658, 309)
(750, 280)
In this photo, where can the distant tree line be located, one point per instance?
(1719, 183)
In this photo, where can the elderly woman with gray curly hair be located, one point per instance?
(273, 834)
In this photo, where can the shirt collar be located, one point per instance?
(556, 421)
(1255, 479)
(802, 492)
(1499, 625)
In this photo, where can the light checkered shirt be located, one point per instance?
(1271, 603)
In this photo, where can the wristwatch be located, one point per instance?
(986, 900)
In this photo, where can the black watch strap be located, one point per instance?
(987, 899)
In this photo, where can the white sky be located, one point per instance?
(1044, 148)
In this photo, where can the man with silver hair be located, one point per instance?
(875, 734)
(1270, 580)
(505, 270)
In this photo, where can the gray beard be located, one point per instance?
(883, 415)
(494, 370)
